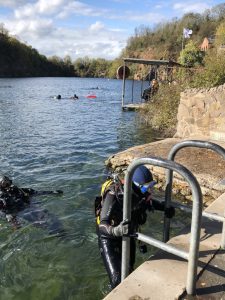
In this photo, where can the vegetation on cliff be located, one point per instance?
(200, 69)
(163, 41)
(19, 60)
(161, 112)
(166, 39)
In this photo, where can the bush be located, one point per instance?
(161, 111)
(191, 56)
(214, 72)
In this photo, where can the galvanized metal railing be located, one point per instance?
(169, 181)
(192, 255)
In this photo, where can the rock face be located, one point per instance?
(202, 112)
(201, 116)
(207, 166)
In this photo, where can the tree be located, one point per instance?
(220, 35)
(113, 67)
(218, 12)
(191, 56)
(3, 30)
(213, 73)
(67, 60)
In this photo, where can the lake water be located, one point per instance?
(60, 144)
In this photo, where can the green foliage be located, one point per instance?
(161, 111)
(86, 67)
(113, 67)
(191, 55)
(220, 35)
(213, 73)
(167, 37)
(163, 41)
(20, 60)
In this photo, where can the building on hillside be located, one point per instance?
(207, 43)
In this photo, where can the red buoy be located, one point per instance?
(91, 96)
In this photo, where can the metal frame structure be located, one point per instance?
(192, 255)
(165, 63)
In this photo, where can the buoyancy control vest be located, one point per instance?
(115, 185)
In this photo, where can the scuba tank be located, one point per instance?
(112, 182)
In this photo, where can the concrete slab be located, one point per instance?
(218, 206)
(211, 283)
(133, 106)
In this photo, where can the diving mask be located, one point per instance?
(145, 187)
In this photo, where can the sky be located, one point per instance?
(97, 29)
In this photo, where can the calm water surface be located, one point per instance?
(60, 144)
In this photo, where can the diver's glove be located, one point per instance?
(2, 203)
(122, 229)
(13, 220)
(170, 212)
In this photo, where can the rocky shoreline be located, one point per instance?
(207, 166)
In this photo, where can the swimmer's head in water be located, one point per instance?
(5, 182)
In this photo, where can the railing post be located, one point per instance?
(126, 216)
(168, 192)
(124, 79)
(132, 99)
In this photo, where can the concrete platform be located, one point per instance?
(164, 275)
(133, 106)
(207, 166)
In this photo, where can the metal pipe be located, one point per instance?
(162, 246)
(126, 216)
(123, 88)
(223, 234)
(207, 215)
(141, 88)
(132, 99)
(214, 217)
(169, 178)
(196, 215)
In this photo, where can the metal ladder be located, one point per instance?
(170, 165)
(169, 182)
(192, 255)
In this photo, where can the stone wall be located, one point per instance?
(202, 113)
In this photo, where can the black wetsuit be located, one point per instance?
(14, 200)
(147, 94)
(111, 215)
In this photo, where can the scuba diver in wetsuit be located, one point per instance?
(151, 90)
(14, 199)
(109, 216)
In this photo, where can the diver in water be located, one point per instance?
(58, 97)
(109, 217)
(151, 90)
(14, 199)
(74, 97)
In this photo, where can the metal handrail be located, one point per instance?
(169, 180)
(192, 255)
